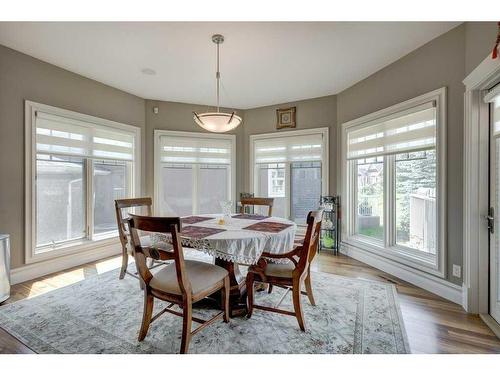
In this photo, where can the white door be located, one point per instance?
(494, 274)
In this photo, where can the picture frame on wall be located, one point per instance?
(285, 118)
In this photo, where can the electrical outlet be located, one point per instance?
(457, 270)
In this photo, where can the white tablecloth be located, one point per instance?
(236, 244)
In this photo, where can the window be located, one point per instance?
(271, 183)
(60, 187)
(276, 181)
(393, 182)
(415, 185)
(292, 168)
(370, 197)
(78, 166)
(194, 172)
(110, 180)
(305, 188)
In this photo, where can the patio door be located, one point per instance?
(493, 98)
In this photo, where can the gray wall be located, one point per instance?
(479, 40)
(25, 78)
(311, 113)
(443, 62)
(179, 116)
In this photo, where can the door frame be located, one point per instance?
(475, 296)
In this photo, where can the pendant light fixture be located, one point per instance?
(217, 122)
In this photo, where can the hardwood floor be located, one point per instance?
(433, 324)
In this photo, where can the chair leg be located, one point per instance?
(124, 264)
(249, 282)
(225, 298)
(187, 315)
(296, 304)
(146, 315)
(270, 288)
(309, 290)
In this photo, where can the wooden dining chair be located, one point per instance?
(268, 202)
(181, 283)
(299, 241)
(144, 204)
(290, 275)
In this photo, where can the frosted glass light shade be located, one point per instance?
(217, 122)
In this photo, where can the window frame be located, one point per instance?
(157, 163)
(325, 175)
(388, 248)
(90, 241)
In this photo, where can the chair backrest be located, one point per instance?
(170, 226)
(311, 240)
(257, 202)
(122, 222)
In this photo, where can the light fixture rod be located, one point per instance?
(218, 39)
(217, 76)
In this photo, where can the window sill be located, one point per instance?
(399, 254)
(72, 248)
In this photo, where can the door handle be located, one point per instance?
(491, 220)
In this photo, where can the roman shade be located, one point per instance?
(289, 149)
(194, 150)
(413, 129)
(69, 137)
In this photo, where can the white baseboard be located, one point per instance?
(34, 270)
(491, 323)
(431, 283)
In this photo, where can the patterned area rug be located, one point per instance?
(102, 314)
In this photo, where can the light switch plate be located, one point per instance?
(457, 270)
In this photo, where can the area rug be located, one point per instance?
(102, 314)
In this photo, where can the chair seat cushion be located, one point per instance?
(280, 269)
(203, 276)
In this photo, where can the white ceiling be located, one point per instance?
(261, 63)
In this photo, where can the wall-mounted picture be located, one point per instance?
(285, 118)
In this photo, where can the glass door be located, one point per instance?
(493, 215)
(271, 182)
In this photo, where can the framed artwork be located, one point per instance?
(285, 118)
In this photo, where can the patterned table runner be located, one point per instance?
(250, 217)
(195, 219)
(196, 232)
(268, 226)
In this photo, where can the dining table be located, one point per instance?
(235, 240)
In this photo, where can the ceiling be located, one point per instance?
(262, 63)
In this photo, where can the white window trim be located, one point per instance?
(325, 170)
(157, 163)
(30, 109)
(399, 253)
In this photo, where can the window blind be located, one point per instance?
(410, 130)
(64, 136)
(193, 150)
(288, 149)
